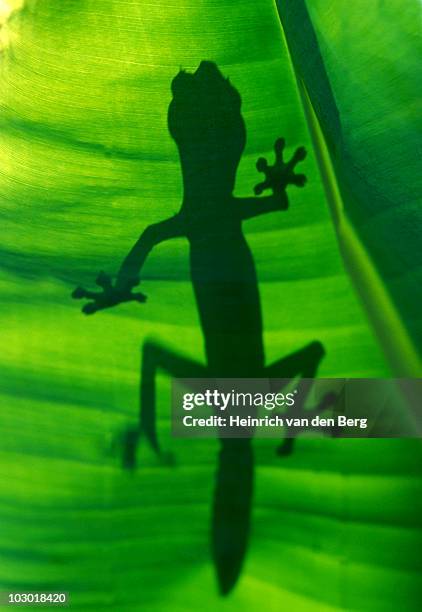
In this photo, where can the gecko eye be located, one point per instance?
(182, 82)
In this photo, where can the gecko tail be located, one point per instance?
(232, 511)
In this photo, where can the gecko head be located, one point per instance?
(205, 119)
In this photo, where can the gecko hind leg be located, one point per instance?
(156, 357)
(304, 362)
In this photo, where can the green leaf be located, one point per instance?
(358, 71)
(86, 163)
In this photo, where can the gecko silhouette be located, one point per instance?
(205, 120)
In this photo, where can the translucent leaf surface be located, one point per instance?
(86, 164)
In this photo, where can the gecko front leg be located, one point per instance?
(109, 296)
(277, 178)
(281, 174)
